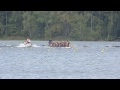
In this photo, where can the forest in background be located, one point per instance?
(61, 25)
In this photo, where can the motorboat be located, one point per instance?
(25, 45)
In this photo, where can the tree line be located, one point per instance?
(75, 25)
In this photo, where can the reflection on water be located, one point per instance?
(86, 59)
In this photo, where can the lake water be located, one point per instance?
(85, 60)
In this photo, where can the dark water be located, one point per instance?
(85, 60)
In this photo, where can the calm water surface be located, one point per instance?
(85, 60)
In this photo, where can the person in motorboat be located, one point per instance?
(28, 40)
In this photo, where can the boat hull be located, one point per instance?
(25, 45)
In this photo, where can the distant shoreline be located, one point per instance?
(43, 39)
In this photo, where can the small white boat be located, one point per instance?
(25, 45)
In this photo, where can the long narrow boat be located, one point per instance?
(59, 43)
